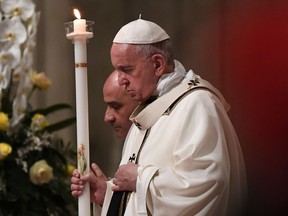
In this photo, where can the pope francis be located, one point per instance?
(181, 155)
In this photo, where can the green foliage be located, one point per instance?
(18, 195)
(34, 177)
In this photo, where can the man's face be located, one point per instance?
(119, 108)
(135, 72)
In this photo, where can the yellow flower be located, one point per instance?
(70, 169)
(5, 150)
(40, 80)
(41, 172)
(4, 122)
(39, 122)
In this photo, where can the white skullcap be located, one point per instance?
(140, 32)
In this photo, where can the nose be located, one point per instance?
(109, 117)
(122, 80)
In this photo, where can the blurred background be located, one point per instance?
(240, 46)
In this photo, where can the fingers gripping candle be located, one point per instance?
(79, 32)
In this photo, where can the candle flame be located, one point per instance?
(77, 13)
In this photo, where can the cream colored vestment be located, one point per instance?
(191, 162)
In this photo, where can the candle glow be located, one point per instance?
(77, 13)
(79, 24)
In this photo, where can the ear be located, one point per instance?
(159, 64)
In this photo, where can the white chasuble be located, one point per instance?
(191, 162)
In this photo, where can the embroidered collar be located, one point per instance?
(146, 115)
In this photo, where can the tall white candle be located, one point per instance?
(82, 118)
(79, 37)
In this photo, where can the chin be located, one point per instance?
(135, 98)
(120, 135)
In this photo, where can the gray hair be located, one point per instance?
(164, 48)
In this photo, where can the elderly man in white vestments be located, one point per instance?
(181, 155)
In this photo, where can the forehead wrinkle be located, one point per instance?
(123, 51)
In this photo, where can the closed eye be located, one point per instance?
(114, 105)
(126, 70)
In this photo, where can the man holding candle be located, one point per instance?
(182, 155)
(119, 108)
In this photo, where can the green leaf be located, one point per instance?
(51, 109)
(61, 124)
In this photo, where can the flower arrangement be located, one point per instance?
(35, 165)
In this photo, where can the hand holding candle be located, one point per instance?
(77, 32)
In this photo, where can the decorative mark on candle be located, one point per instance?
(82, 163)
(80, 65)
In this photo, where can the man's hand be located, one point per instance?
(97, 181)
(125, 178)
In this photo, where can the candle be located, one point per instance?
(79, 24)
(79, 37)
(82, 121)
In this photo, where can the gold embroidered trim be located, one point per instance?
(80, 65)
(137, 124)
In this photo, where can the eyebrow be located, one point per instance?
(114, 103)
(123, 67)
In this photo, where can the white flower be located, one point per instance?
(8, 60)
(27, 58)
(21, 8)
(41, 172)
(19, 107)
(10, 57)
(5, 74)
(31, 40)
(12, 31)
(32, 25)
(20, 102)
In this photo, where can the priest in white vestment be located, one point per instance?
(181, 156)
